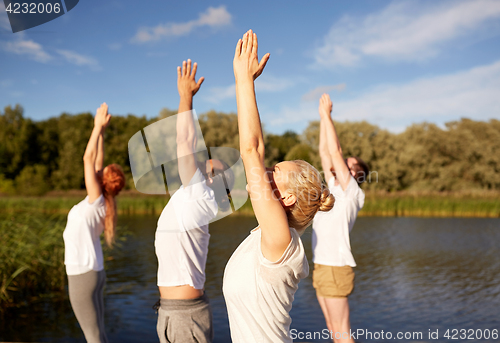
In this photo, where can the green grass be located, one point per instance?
(32, 256)
(432, 205)
(460, 204)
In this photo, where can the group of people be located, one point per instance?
(263, 274)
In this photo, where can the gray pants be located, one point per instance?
(85, 295)
(185, 321)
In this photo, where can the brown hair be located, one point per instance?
(222, 186)
(113, 180)
(361, 170)
(311, 193)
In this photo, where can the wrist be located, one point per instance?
(186, 103)
(186, 96)
(242, 79)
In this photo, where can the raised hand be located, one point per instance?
(102, 116)
(186, 82)
(325, 106)
(246, 63)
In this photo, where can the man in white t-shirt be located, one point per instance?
(333, 276)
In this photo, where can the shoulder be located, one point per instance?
(293, 254)
(197, 187)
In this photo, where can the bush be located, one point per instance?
(6, 185)
(33, 180)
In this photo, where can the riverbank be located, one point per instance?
(484, 204)
(32, 256)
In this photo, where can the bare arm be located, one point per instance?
(334, 149)
(186, 132)
(268, 210)
(91, 152)
(324, 153)
(99, 162)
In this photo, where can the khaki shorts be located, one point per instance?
(333, 282)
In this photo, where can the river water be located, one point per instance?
(415, 276)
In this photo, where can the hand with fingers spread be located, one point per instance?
(186, 79)
(246, 63)
(325, 106)
(102, 116)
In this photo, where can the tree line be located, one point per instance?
(38, 156)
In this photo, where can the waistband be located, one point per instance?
(183, 304)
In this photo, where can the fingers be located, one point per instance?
(237, 52)
(195, 66)
(188, 69)
(200, 81)
(262, 65)
(179, 72)
(245, 42)
(250, 41)
(184, 68)
(254, 45)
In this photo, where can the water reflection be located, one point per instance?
(413, 274)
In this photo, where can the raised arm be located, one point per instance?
(332, 141)
(99, 161)
(268, 209)
(324, 153)
(186, 131)
(92, 184)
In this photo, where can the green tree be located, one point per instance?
(33, 180)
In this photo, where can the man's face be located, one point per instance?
(352, 164)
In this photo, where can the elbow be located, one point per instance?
(252, 150)
(89, 157)
(187, 138)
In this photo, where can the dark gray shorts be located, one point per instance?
(185, 321)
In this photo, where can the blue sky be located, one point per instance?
(392, 63)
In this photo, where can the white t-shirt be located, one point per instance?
(83, 251)
(182, 236)
(330, 240)
(259, 293)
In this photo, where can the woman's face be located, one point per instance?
(279, 176)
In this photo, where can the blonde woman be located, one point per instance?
(263, 274)
(86, 222)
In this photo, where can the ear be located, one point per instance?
(289, 199)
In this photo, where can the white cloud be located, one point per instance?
(79, 60)
(212, 17)
(217, 94)
(115, 46)
(6, 83)
(4, 19)
(265, 83)
(470, 93)
(268, 83)
(29, 48)
(408, 30)
(316, 93)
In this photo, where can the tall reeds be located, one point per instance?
(31, 257)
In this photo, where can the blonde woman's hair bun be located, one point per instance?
(327, 200)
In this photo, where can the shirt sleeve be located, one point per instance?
(293, 258)
(197, 204)
(352, 193)
(95, 212)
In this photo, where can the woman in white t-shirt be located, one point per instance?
(182, 236)
(262, 275)
(86, 222)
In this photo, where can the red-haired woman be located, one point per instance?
(86, 222)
